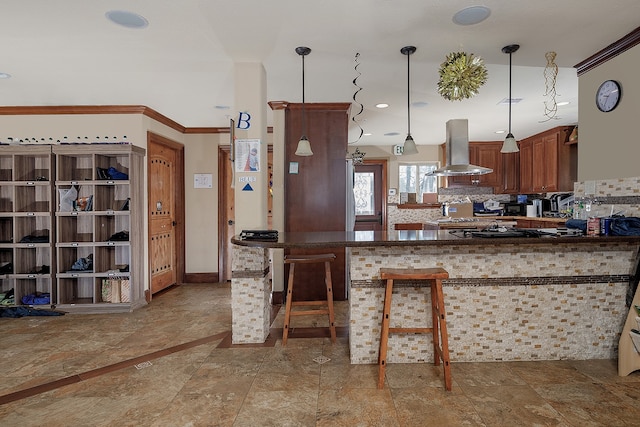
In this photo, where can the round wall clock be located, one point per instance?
(608, 95)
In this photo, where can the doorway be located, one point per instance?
(226, 202)
(165, 170)
(370, 190)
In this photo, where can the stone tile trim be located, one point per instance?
(249, 274)
(498, 281)
(617, 200)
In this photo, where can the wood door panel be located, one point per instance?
(162, 239)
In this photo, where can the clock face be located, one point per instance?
(608, 95)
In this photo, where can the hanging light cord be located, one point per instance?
(510, 54)
(304, 130)
(408, 96)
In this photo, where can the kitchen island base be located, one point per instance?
(546, 298)
(503, 302)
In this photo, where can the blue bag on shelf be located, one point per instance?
(625, 226)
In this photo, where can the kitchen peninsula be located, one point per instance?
(530, 298)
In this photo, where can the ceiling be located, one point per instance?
(182, 65)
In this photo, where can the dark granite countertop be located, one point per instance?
(330, 239)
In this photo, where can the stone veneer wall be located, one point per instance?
(621, 194)
(513, 302)
(396, 215)
(250, 295)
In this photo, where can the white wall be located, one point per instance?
(608, 143)
(201, 204)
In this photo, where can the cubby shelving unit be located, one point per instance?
(103, 229)
(27, 257)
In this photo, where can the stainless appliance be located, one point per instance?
(515, 209)
(457, 145)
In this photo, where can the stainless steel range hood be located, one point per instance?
(457, 146)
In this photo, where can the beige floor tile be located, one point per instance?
(356, 407)
(513, 406)
(434, 406)
(208, 385)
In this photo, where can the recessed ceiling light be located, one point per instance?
(5, 76)
(560, 104)
(500, 131)
(127, 19)
(392, 134)
(367, 134)
(419, 104)
(222, 107)
(471, 15)
(382, 105)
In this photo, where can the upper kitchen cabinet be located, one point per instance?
(548, 162)
(486, 154)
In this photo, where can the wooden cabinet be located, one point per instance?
(486, 154)
(526, 166)
(533, 223)
(511, 173)
(26, 233)
(548, 163)
(315, 195)
(99, 227)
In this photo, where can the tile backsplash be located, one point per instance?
(603, 197)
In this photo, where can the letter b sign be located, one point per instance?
(244, 120)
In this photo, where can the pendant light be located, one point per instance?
(510, 145)
(409, 145)
(304, 147)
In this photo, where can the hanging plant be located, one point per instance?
(461, 75)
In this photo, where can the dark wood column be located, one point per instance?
(315, 197)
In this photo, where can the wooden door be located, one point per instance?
(370, 196)
(162, 168)
(226, 223)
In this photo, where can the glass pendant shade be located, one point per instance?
(510, 145)
(409, 146)
(304, 148)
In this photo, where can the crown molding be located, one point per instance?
(609, 52)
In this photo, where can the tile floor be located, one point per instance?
(171, 364)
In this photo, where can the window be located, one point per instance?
(413, 178)
(363, 191)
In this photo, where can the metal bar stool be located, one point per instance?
(325, 307)
(439, 325)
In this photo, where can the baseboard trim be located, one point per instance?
(201, 278)
(277, 297)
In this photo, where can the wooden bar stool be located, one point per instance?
(325, 307)
(440, 340)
